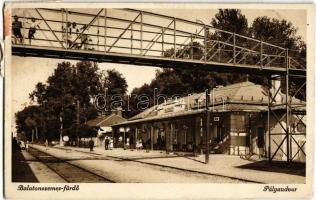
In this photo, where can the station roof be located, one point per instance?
(244, 96)
(108, 120)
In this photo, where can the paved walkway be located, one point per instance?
(26, 168)
(223, 165)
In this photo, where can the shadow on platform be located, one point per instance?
(21, 171)
(294, 168)
(190, 157)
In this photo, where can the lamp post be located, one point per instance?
(77, 111)
(61, 119)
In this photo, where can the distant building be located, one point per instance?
(103, 123)
(238, 124)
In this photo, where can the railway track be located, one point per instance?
(139, 161)
(69, 172)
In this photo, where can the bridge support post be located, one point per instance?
(205, 44)
(162, 40)
(141, 33)
(105, 28)
(66, 27)
(261, 54)
(268, 120)
(288, 157)
(174, 38)
(287, 115)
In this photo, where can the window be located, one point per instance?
(237, 123)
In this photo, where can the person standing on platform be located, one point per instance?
(159, 142)
(91, 145)
(46, 144)
(106, 143)
(111, 143)
(27, 146)
(131, 142)
(139, 144)
(127, 143)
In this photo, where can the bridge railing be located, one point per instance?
(142, 33)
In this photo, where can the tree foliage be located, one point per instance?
(278, 32)
(84, 131)
(57, 98)
(283, 34)
(231, 20)
(27, 120)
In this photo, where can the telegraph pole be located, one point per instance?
(61, 121)
(77, 113)
(207, 104)
(61, 131)
(77, 122)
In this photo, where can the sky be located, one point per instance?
(28, 71)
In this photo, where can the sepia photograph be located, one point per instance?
(202, 95)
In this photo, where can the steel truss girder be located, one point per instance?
(191, 42)
(156, 38)
(124, 31)
(53, 32)
(231, 49)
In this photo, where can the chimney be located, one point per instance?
(118, 111)
(276, 83)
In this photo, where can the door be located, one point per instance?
(260, 135)
(260, 140)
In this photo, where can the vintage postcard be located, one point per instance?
(158, 101)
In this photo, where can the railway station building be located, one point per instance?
(103, 124)
(238, 124)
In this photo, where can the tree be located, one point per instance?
(230, 20)
(193, 49)
(115, 82)
(283, 34)
(116, 86)
(84, 131)
(69, 84)
(57, 98)
(28, 121)
(277, 32)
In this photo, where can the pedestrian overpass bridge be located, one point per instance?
(140, 37)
